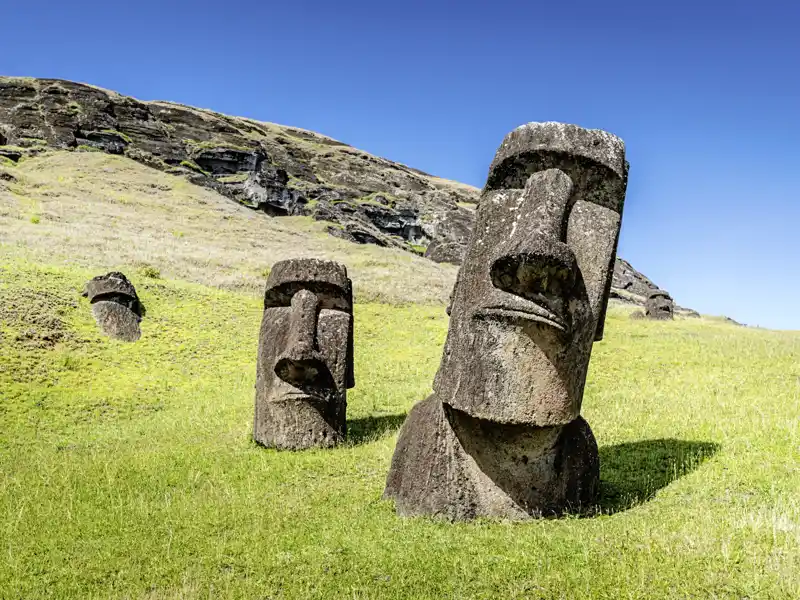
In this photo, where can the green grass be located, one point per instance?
(12, 148)
(127, 470)
(193, 166)
(123, 136)
(237, 178)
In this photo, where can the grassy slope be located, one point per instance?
(128, 471)
(104, 211)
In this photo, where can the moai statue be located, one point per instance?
(502, 434)
(115, 306)
(305, 355)
(659, 305)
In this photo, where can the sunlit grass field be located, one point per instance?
(127, 470)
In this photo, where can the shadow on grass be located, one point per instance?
(632, 473)
(367, 429)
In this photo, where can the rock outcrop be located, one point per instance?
(280, 170)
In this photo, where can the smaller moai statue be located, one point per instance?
(659, 305)
(305, 356)
(115, 305)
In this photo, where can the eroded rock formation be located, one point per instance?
(280, 170)
(305, 356)
(502, 434)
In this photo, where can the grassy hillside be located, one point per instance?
(127, 470)
(102, 211)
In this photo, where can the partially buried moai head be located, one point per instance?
(305, 355)
(115, 305)
(659, 305)
(532, 291)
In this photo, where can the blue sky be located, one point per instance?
(706, 96)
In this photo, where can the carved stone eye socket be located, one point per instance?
(531, 275)
(329, 296)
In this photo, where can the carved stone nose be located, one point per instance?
(536, 270)
(543, 208)
(534, 260)
(300, 364)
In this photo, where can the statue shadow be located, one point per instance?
(632, 472)
(369, 429)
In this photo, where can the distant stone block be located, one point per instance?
(115, 305)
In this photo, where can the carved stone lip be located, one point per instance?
(535, 313)
(299, 397)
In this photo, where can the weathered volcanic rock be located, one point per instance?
(631, 287)
(659, 306)
(280, 170)
(628, 279)
(117, 321)
(305, 356)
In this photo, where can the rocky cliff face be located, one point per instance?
(280, 170)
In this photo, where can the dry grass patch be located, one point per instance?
(103, 211)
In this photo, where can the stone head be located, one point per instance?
(659, 305)
(113, 287)
(305, 355)
(115, 305)
(532, 291)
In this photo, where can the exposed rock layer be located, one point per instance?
(281, 170)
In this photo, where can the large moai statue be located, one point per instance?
(659, 305)
(502, 434)
(305, 355)
(115, 306)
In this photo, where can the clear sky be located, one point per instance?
(706, 95)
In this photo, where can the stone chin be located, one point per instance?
(518, 373)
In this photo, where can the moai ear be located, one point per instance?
(350, 377)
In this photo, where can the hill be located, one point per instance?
(280, 170)
(276, 169)
(105, 211)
